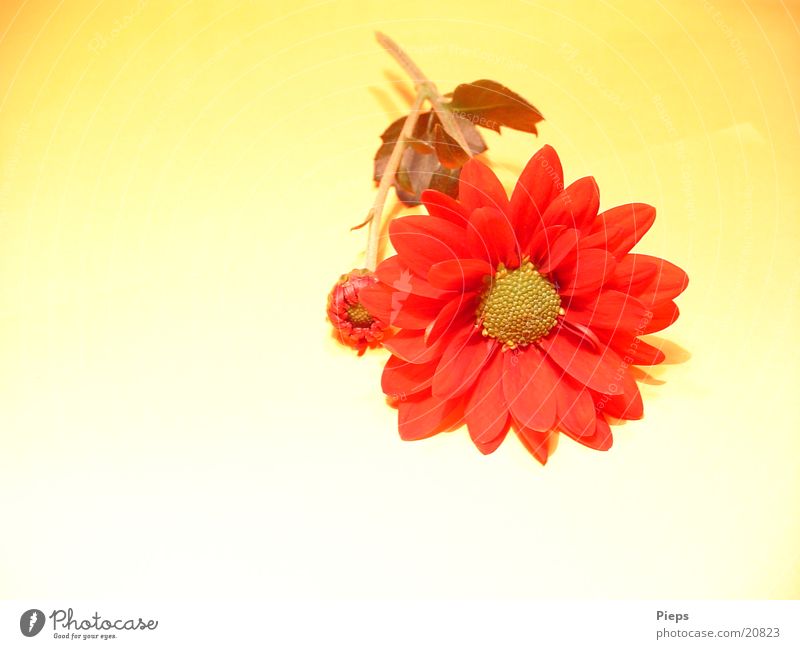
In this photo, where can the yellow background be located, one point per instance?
(177, 184)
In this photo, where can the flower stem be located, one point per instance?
(399, 55)
(387, 179)
(426, 89)
(421, 81)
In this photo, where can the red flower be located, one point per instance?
(522, 313)
(354, 324)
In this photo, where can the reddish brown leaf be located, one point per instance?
(447, 150)
(471, 135)
(392, 133)
(446, 181)
(432, 161)
(418, 168)
(491, 105)
(422, 146)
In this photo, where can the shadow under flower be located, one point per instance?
(675, 354)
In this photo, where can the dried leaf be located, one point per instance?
(449, 124)
(450, 154)
(446, 181)
(420, 168)
(392, 133)
(491, 105)
(389, 138)
(419, 172)
(427, 173)
(422, 146)
(433, 159)
(471, 135)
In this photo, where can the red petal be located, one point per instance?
(490, 446)
(395, 274)
(542, 241)
(479, 187)
(444, 207)
(663, 316)
(409, 344)
(422, 241)
(539, 444)
(610, 310)
(584, 334)
(625, 225)
(413, 311)
(634, 350)
(398, 309)
(401, 378)
(575, 407)
(563, 246)
(668, 281)
(600, 239)
(461, 363)
(459, 274)
(422, 416)
(539, 183)
(377, 300)
(651, 279)
(455, 315)
(530, 384)
(632, 274)
(491, 237)
(486, 411)
(624, 406)
(643, 353)
(597, 370)
(591, 269)
(576, 206)
(601, 439)
(626, 402)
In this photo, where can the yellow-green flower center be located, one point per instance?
(518, 306)
(359, 316)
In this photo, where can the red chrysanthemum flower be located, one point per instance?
(522, 313)
(353, 323)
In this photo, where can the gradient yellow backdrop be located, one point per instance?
(177, 184)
